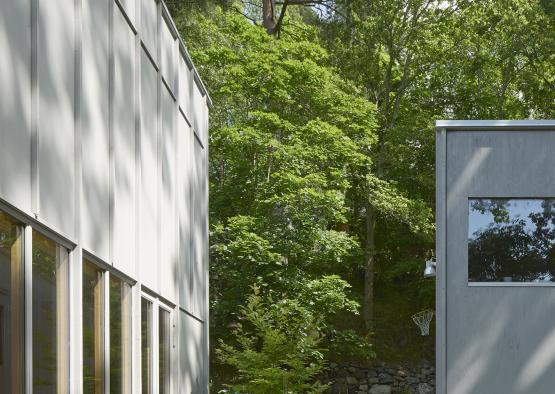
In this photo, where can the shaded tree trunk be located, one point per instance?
(269, 15)
(368, 300)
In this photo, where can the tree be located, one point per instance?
(286, 136)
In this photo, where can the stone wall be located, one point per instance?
(379, 379)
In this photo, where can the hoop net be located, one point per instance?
(422, 320)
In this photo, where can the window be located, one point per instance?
(164, 351)
(11, 306)
(511, 240)
(146, 345)
(156, 345)
(50, 335)
(93, 328)
(106, 331)
(119, 326)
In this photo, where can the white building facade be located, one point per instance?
(103, 201)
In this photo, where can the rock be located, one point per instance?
(363, 387)
(342, 373)
(424, 388)
(351, 380)
(380, 389)
(360, 374)
(385, 378)
(373, 380)
(339, 389)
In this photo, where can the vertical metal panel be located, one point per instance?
(441, 169)
(15, 106)
(168, 46)
(148, 226)
(95, 127)
(185, 176)
(203, 124)
(198, 104)
(186, 86)
(55, 64)
(499, 339)
(168, 228)
(192, 354)
(202, 173)
(149, 26)
(76, 257)
(124, 144)
(198, 227)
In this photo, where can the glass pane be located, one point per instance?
(11, 306)
(48, 258)
(164, 351)
(146, 344)
(511, 240)
(117, 334)
(92, 329)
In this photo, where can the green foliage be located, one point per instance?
(276, 347)
(312, 132)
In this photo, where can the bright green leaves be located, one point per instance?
(392, 205)
(277, 348)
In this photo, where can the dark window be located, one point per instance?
(93, 345)
(511, 240)
(11, 306)
(117, 332)
(164, 351)
(146, 342)
(48, 292)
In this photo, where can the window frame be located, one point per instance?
(470, 283)
(158, 303)
(107, 271)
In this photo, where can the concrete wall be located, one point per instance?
(103, 140)
(492, 337)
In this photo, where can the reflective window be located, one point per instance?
(146, 345)
(118, 326)
(164, 351)
(105, 312)
(93, 353)
(11, 306)
(49, 337)
(511, 240)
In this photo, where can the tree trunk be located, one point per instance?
(269, 15)
(368, 300)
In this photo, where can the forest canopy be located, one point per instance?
(322, 165)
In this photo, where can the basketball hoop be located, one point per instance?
(422, 320)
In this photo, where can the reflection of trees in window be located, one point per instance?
(92, 330)
(11, 306)
(164, 351)
(517, 244)
(46, 257)
(146, 345)
(116, 335)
